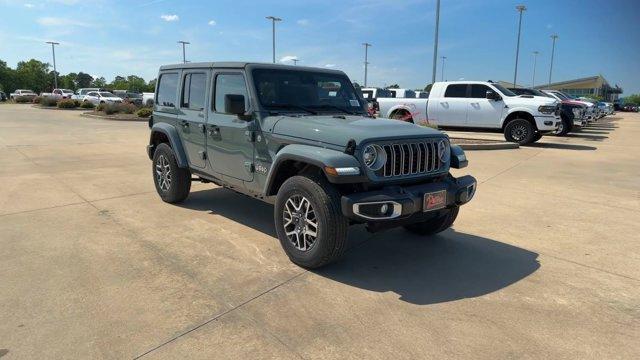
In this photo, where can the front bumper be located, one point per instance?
(547, 123)
(405, 202)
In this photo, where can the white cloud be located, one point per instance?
(56, 21)
(212, 23)
(330, 65)
(303, 22)
(288, 58)
(29, 6)
(170, 18)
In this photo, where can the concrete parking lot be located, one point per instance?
(544, 263)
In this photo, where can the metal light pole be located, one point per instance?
(366, 61)
(435, 43)
(442, 70)
(535, 59)
(295, 61)
(273, 33)
(55, 72)
(184, 56)
(521, 9)
(553, 50)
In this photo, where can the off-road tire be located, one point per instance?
(180, 183)
(519, 131)
(435, 225)
(331, 236)
(536, 137)
(566, 125)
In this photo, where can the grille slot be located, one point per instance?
(410, 158)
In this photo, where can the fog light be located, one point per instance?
(384, 208)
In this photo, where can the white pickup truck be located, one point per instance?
(478, 104)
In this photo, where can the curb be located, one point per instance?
(498, 145)
(93, 116)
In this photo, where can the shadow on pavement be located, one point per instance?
(447, 267)
(586, 136)
(421, 270)
(560, 146)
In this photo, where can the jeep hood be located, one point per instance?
(338, 130)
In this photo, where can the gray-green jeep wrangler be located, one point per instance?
(301, 138)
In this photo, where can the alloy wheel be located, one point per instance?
(519, 132)
(300, 222)
(163, 173)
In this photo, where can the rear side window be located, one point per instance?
(229, 84)
(410, 94)
(479, 91)
(167, 90)
(456, 91)
(193, 91)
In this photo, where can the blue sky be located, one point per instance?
(108, 38)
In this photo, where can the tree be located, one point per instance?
(8, 78)
(33, 75)
(633, 99)
(394, 86)
(136, 83)
(151, 86)
(428, 87)
(83, 80)
(100, 82)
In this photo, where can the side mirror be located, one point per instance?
(234, 104)
(492, 95)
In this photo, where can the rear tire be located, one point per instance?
(435, 225)
(309, 221)
(519, 131)
(172, 182)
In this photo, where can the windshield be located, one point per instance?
(106, 94)
(561, 95)
(67, 91)
(293, 90)
(504, 90)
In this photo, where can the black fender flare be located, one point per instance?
(174, 141)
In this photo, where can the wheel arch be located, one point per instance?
(520, 115)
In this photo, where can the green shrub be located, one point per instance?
(87, 105)
(126, 108)
(67, 104)
(77, 102)
(100, 107)
(37, 99)
(49, 101)
(110, 109)
(22, 99)
(144, 112)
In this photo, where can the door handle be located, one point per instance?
(184, 123)
(214, 131)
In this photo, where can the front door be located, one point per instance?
(192, 115)
(451, 109)
(482, 111)
(229, 139)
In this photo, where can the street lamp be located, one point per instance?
(521, 9)
(366, 61)
(295, 61)
(435, 43)
(535, 59)
(273, 32)
(553, 50)
(442, 70)
(55, 72)
(184, 56)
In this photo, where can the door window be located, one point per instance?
(229, 84)
(193, 91)
(456, 91)
(479, 91)
(167, 89)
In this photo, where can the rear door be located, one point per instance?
(483, 112)
(192, 116)
(451, 109)
(229, 143)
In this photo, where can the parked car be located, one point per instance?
(573, 114)
(148, 99)
(28, 94)
(301, 138)
(82, 92)
(3, 96)
(402, 93)
(129, 96)
(371, 95)
(101, 97)
(62, 93)
(591, 112)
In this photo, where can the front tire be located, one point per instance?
(172, 182)
(519, 131)
(433, 226)
(565, 127)
(309, 221)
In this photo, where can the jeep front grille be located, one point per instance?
(410, 159)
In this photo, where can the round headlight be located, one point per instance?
(374, 157)
(444, 151)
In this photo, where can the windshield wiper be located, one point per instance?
(327, 106)
(292, 106)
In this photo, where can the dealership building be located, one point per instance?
(588, 87)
